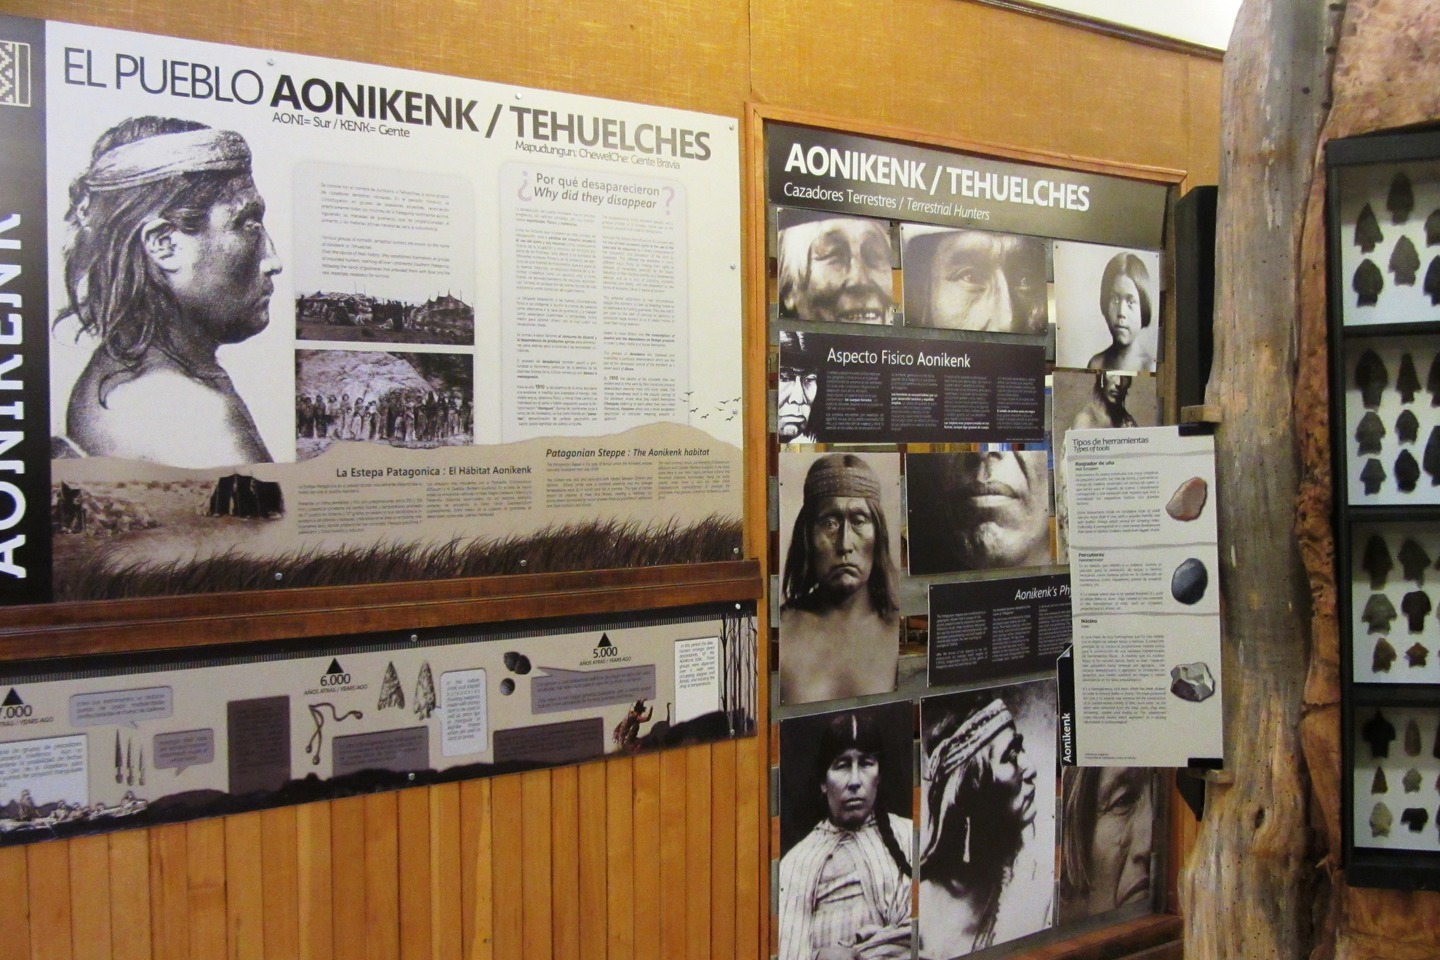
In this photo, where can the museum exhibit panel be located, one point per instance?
(592, 482)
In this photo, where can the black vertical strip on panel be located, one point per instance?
(1069, 751)
(25, 546)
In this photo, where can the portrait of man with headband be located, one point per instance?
(987, 834)
(840, 610)
(168, 260)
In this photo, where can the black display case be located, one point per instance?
(1383, 219)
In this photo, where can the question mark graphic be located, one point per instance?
(669, 196)
(525, 193)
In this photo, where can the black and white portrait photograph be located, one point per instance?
(839, 578)
(1107, 830)
(846, 834)
(987, 509)
(167, 262)
(975, 280)
(987, 817)
(1389, 242)
(1107, 307)
(1392, 421)
(414, 400)
(1089, 400)
(834, 268)
(798, 404)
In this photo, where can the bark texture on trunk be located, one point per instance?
(1247, 889)
(1385, 76)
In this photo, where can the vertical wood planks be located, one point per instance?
(169, 890)
(130, 894)
(505, 865)
(15, 893)
(698, 852)
(534, 864)
(280, 887)
(672, 853)
(447, 924)
(722, 851)
(413, 869)
(347, 878)
(314, 840)
(90, 898)
(205, 869)
(48, 870)
(648, 872)
(752, 853)
(382, 894)
(477, 854)
(620, 859)
(593, 824)
(244, 892)
(565, 817)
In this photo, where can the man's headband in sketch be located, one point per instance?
(167, 155)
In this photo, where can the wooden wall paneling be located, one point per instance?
(90, 922)
(447, 889)
(1202, 123)
(413, 868)
(169, 890)
(671, 875)
(698, 851)
(244, 856)
(622, 884)
(382, 881)
(15, 922)
(130, 895)
(970, 71)
(347, 878)
(752, 853)
(650, 874)
(48, 872)
(723, 840)
(506, 863)
(592, 822)
(534, 864)
(565, 860)
(314, 857)
(477, 857)
(280, 884)
(205, 871)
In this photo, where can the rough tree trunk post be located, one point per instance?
(1386, 75)
(1246, 890)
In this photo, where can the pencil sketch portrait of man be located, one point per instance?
(168, 260)
(840, 611)
(834, 269)
(798, 389)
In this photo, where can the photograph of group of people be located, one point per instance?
(1101, 301)
(998, 847)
